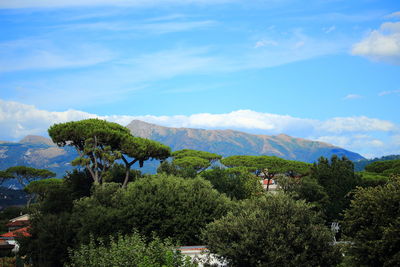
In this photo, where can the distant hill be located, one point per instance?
(360, 165)
(229, 142)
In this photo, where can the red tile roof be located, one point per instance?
(16, 233)
(17, 223)
(266, 181)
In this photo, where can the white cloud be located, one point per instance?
(356, 124)
(395, 92)
(381, 45)
(365, 144)
(354, 133)
(352, 96)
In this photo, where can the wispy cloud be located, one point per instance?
(263, 43)
(30, 54)
(352, 96)
(117, 3)
(393, 92)
(329, 29)
(139, 27)
(354, 133)
(394, 15)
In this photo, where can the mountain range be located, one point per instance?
(41, 152)
(230, 142)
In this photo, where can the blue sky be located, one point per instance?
(327, 70)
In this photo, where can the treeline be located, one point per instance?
(106, 214)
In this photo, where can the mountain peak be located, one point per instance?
(36, 139)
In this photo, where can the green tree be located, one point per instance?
(272, 230)
(372, 223)
(117, 174)
(189, 162)
(4, 176)
(95, 141)
(269, 166)
(387, 168)
(169, 206)
(51, 227)
(136, 149)
(25, 175)
(210, 157)
(39, 189)
(338, 179)
(372, 179)
(237, 183)
(312, 192)
(100, 143)
(51, 235)
(128, 251)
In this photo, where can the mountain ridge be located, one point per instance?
(233, 142)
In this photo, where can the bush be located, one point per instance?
(125, 251)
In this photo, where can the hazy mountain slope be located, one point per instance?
(38, 152)
(229, 142)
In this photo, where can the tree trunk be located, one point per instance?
(128, 166)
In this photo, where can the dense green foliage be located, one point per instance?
(52, 230)
(39, 189)
(268, 166)
(272, 230)
(274, 165)
(372, 179)
(373, 225)
(338, 179)
(312, 192)
(388, 167)
(169, 206)
(359, 165)
(237, 183)
(128, 251)
(169, 168)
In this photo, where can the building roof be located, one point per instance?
(24, 217)
(5, 245)
(266, 181)
(18, 223)
(16, 233)
(184, 248)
